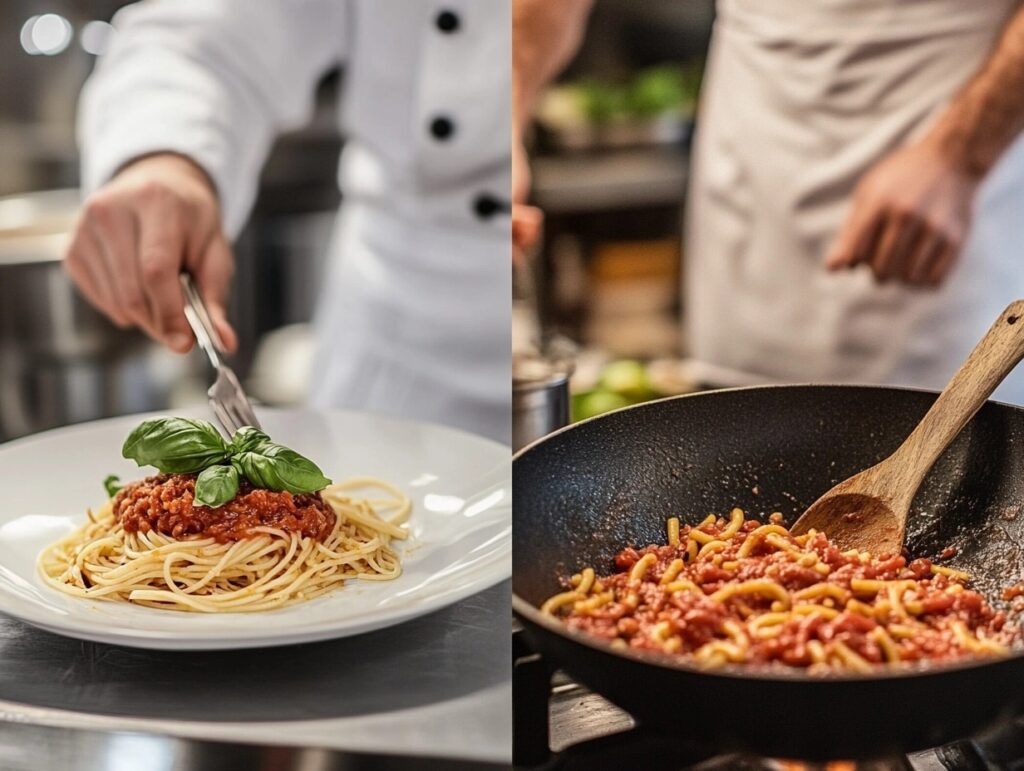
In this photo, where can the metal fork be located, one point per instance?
(227, 398)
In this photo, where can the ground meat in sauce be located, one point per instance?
(695, 619)
(164, 503)
(1012, 592)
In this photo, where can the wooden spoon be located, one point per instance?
(869, 511)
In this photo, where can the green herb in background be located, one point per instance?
(648, 93)
(603, 102)
(656, 91)
(185, 445)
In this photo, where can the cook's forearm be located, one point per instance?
(545, 35)
(208, 80)
(988, 113)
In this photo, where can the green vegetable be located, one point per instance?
(186, 446)
(597, 403)
(111, 485)
(276, 467)
(627, 378)
(656, 91)
(176, 445)
(669, 89)
(247, 438)
(603, 102)
(216, 485)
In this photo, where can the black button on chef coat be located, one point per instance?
(442, 128)
(447, 21)
(486, 206)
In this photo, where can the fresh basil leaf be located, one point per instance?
(175, 445)
(248, 438)
(274, 467)
(111, 485)
(216, 486)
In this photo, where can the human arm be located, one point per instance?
(174, 126)
(545, 35)
(911, 212)
(158, 216)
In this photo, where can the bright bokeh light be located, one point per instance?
(26, 36)
(48, 34)
(95, 37)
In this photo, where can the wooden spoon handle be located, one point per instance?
(992, 359)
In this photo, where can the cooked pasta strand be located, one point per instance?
(268, 569)
(739, 593)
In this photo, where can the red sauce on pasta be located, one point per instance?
(798, 602)
(164, 503)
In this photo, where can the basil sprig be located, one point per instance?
(184, 446)
(176, 445)
(112, 483)
(247, 438)
(216, 485)
(275, 467)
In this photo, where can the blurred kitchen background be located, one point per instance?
(609, 157)
(62, 363)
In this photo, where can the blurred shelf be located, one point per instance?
(621, 179)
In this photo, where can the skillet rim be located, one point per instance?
(527, 611)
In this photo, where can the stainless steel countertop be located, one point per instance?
(41, 748)
(437, 686)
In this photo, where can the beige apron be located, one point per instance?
(800, 100)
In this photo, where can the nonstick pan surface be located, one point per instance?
(584, 493)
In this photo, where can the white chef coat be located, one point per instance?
(801, 99)
(414, 314)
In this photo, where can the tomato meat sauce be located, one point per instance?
(165, 504)
(792, 601)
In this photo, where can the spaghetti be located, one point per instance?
(739, 591)
(168, 561)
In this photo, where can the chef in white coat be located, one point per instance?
(879, 135)
(177, 120)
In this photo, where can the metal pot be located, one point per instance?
(60, 361)
(540, 397)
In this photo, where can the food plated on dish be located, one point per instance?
(740, 591)
(458, 538)
(227, 526)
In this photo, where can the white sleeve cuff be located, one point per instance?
(140, 131)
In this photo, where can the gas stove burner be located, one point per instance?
(560, 725)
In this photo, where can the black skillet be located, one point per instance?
(584, 493)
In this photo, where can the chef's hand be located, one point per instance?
(526, 220)
(157, 217)
(526, 226)
(910, 217)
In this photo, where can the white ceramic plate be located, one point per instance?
(460, 528)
